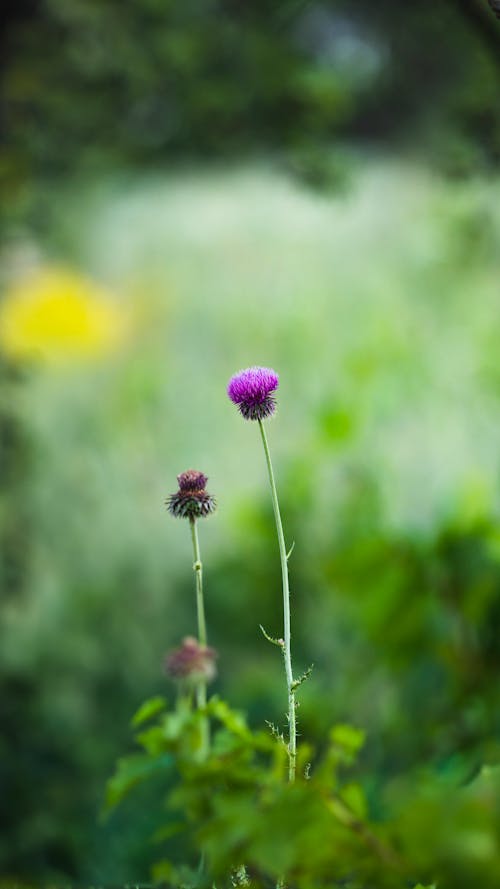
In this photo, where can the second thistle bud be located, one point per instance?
(191, 662)
(191, 501)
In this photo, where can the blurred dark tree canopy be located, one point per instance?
(151, 79)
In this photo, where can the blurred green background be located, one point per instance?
(188, 189)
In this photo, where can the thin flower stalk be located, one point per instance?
(192, 501)
(287, 648)
(201, 692)
(252, 390)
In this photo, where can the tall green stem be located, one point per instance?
(201, 691)
(292, 729)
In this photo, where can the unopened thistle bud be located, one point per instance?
(251, 390)
(191, 662)
(191, 501)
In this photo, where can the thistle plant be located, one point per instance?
(193, 502)
(252, 390)
(228, 787)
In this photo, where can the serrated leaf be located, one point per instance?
(148, 709)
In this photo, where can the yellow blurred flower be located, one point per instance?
(56, 314)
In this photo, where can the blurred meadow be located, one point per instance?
(190, 189)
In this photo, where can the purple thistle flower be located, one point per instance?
(191, 501)
(192, 480)
(191, 661)
(251, 390)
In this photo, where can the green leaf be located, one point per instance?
(148, 709)
(132, 770)
(349, 738)
(353, 796)
(231, 719)
(163, 871)
(153, 740)
(168, 830)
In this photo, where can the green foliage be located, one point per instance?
(148, 709)
(131, 770)
(230, 803)
(450, 830)
(233, 804)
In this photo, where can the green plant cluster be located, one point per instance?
(232, 804)
(260, 823)
(234, 816)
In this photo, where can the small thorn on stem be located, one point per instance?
(301, 679)
(275, 732)
(279, 642)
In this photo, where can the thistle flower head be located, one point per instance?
(251, 390)
(192, 480)
(191, 501)
(191, 662)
